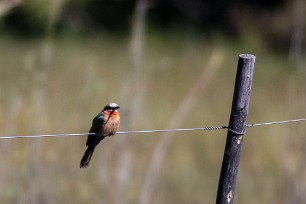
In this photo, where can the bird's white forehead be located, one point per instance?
(113, 105)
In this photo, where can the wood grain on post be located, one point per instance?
(236, 131)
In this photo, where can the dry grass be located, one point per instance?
(84, 74)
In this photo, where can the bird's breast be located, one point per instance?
(111, 126)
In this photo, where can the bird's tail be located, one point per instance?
(87, 157)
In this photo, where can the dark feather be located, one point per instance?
(97, 124)
(87, 156)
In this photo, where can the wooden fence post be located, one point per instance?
(239, 112)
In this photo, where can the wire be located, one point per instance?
(158, 131)
(174, 130)
(276, 123)
(126, 132)
(50, 135)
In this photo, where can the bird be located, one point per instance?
(105, 124)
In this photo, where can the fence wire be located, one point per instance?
(211, 128)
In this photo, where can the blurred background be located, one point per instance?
(168, 64)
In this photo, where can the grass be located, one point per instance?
(85, 74)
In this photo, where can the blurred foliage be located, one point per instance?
(28, 20)
(271, 19)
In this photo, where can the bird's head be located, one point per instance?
(112, 107)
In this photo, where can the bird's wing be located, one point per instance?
(97, 124)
